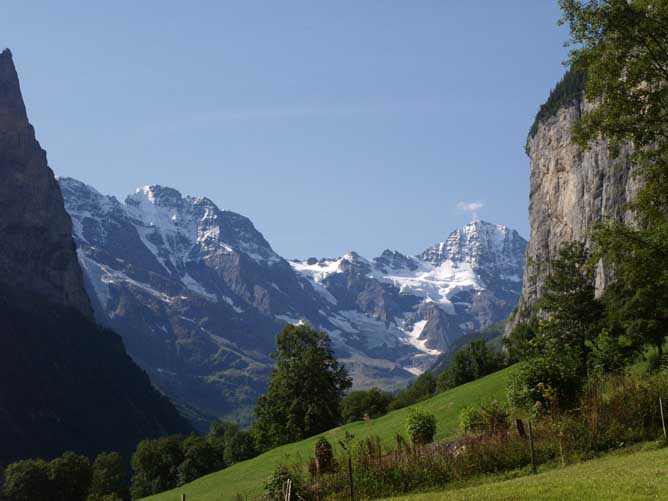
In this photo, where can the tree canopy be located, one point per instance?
(305, 389)
(623, 47)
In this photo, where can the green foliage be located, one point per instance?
(365, 403)
(569, 90)
(490, 417)
(324, 456)
(65, 478)
(109, 477)
(611, 354)
(199, 458)
(240, 448)
(231, 444)
(518, 342)
(618, 410)
(422, 388)
(275, 488)
(27, 480)
(638, 299)
(155, 466)
(421, 426)
(305, 389)
(491, 334)
(623, 47)
(105, 497)
(557, 357)
(472, 362)
(247, 478)
(69, 477)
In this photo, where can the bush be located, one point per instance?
(324, 456)
(491, 417)
(421, 426)
(275, 487)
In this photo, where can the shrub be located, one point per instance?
(421, 426)
(491, 417)
(324, 456)
(275, 487)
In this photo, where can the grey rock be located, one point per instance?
(199, 295)
(570, 191)
(37, 252)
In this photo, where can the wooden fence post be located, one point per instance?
(533, 458)
(520, 428)
(350, 476)
(663, 420)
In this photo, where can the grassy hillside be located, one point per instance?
(640, 475)
(249, 476)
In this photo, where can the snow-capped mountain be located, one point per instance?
(456, 286)
(199, 295)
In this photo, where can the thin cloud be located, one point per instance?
(469, 206)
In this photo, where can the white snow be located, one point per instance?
(195, 286)
(416, 371)
(290, 320)
(414, 338)
(231, 302)
(319, 271)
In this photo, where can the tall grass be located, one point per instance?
(613, 413)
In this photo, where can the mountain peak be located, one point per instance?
(162, 196)
(475, 242)
(13, 114)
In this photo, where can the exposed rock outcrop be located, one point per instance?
(65, 383)
(199, 295)
(570, 191)
(37, 252)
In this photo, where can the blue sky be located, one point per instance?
(334, 126)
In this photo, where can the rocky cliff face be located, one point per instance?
(37, 250)
(570, 191)
(65, 383)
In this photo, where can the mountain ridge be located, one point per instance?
(199, 294)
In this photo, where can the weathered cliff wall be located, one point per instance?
(37, 254)
(570, 191)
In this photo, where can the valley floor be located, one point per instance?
(628, 476)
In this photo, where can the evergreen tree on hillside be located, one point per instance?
(305, 389)
(557, 362)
